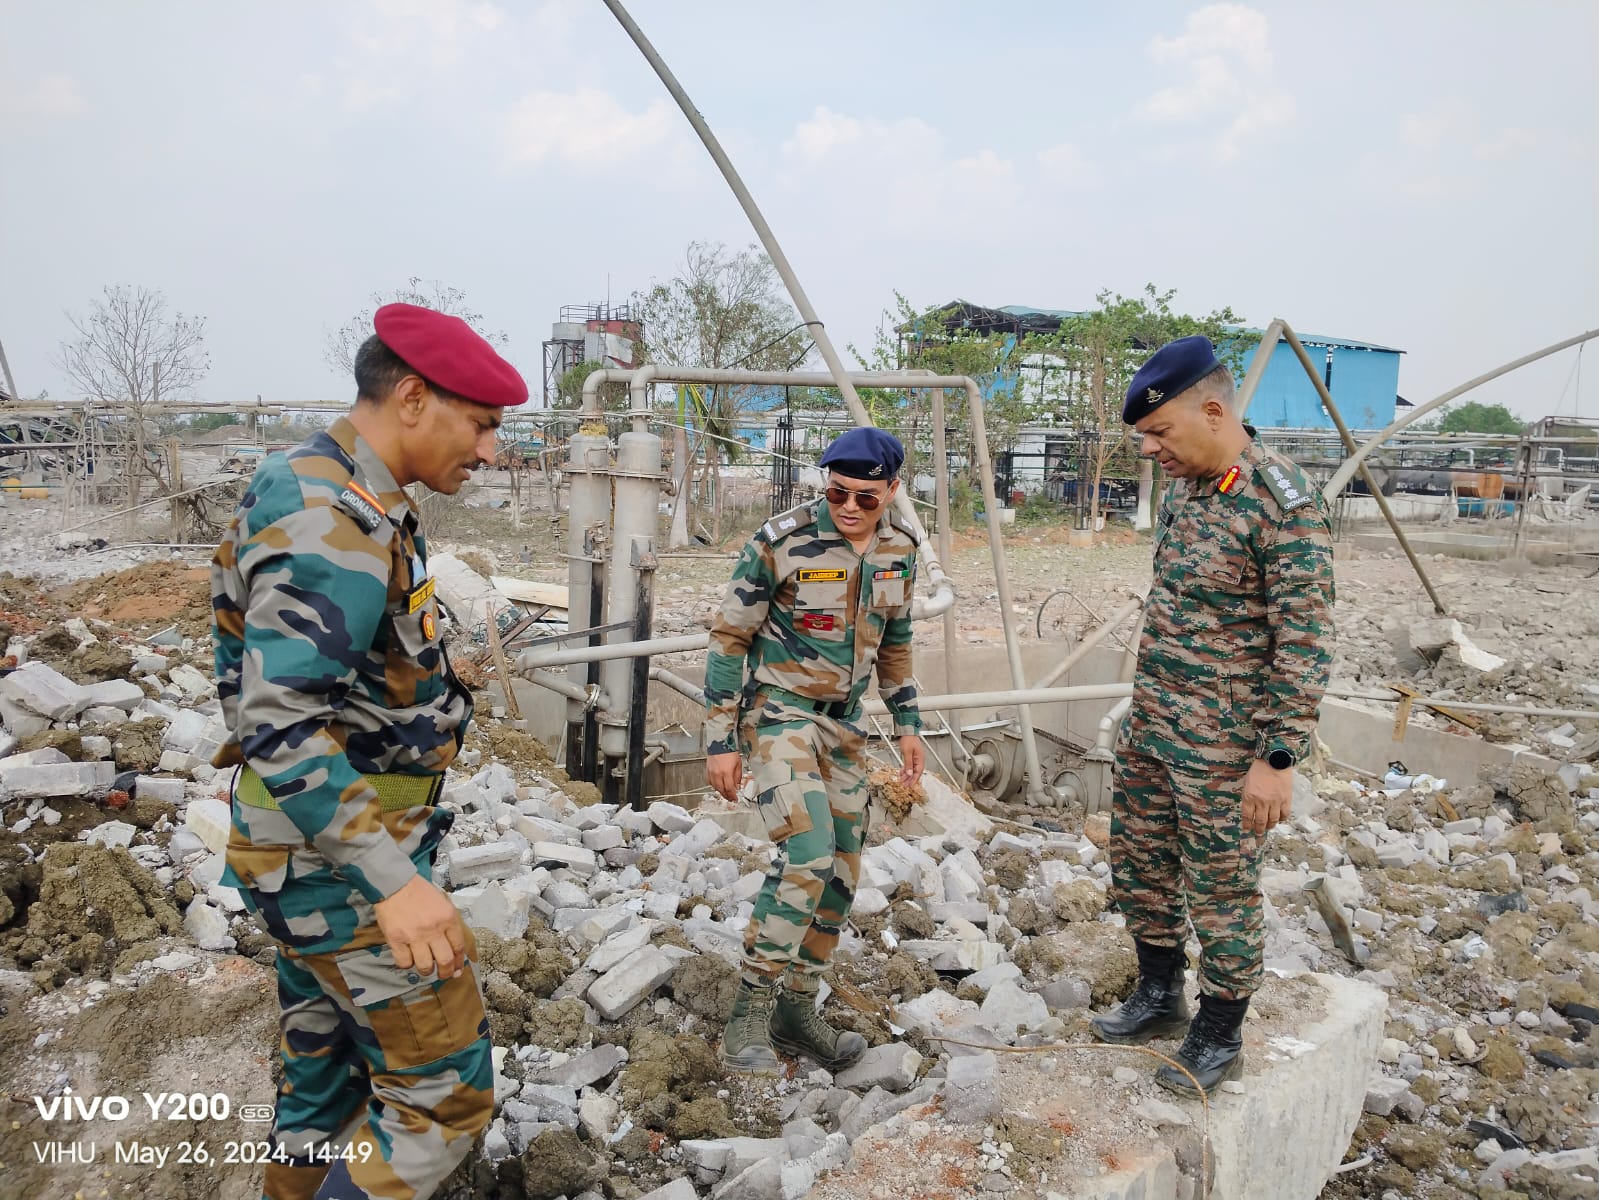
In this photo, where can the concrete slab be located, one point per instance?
(1364, 738)
(1309, 1056)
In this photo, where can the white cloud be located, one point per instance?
(399, 44)
(47, 98)
(905, 162)
(587, 128)
(1446, 121)
(1508, 143)
(1223, 75)
(1066, 167)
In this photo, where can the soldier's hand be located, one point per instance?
(1268, 796)
(725, 772)
(914, 756)
(423, 929)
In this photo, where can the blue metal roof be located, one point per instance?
(1309, 339)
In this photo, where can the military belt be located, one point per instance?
(838, 710)
(395, 792)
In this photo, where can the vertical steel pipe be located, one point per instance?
(1007, 612)
(588, 515)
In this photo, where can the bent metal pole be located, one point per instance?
(1345, 472)
(835, 364)
(1365, 472)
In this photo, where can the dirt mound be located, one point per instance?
(151, 593)
(93, 905)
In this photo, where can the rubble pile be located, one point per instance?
(609, 942)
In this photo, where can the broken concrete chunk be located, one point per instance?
(892, 1066)
(630, 981)
(971, 1089)
(45, 691)
(57, 780)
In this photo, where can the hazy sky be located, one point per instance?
(1421, 175)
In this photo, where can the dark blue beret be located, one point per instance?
(1170, 371)
(865, 452)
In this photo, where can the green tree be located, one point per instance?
(206, 422)
(1476, 417)
(722, 309)
(1098, 352)
(569, 389)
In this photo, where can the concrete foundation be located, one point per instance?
(1310, 1049)
(1365, 739)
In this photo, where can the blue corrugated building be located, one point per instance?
(1363, 380)
(1362, 377)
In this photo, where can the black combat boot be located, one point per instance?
(1213, 1049)
(1157, 1007)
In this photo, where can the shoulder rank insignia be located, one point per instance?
(786, 523)
(1230, 482)
(362, 505)
(1290, 494)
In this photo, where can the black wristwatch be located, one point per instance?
(1280, 759)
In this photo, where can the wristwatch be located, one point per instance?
(1280, 759)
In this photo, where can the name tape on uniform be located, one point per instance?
(822, 575)
(421, 595)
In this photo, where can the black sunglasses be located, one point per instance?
(867, 500)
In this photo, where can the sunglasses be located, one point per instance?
(867, 500)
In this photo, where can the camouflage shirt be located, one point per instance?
(812, 617)
(330, 666)
(1238, 630)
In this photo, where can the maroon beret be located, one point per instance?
(445, 350)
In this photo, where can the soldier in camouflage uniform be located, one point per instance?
(820, 596)
(1233, 661)
(343, 714)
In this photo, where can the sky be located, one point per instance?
(1423, 175)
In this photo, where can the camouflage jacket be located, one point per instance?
(330, 665)
(812, 617)
(1238, 630)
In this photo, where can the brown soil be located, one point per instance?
(149, 594)
(157, 1038)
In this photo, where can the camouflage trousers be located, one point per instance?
(1179, 853)
(810, 780)
(387, 1076)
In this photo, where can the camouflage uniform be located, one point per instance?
(811, 617)
(1233, 661)
(330, 669)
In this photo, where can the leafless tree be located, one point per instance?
(131, 352)
(723, 308)
(343, 342)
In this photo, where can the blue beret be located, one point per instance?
(1170, 371)
(865, 452)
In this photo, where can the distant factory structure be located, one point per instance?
(606, 334)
